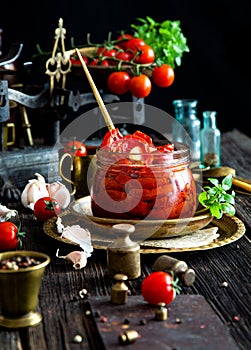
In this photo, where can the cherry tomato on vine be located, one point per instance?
(146, 55)
(97, 62)
(124, 56)
(135, 44)
(123, 39)
(10, 237)
(102, 51)
(163, 75)
(75, 148)
(76, 61)
(46, 208)
(140, 86)
(159, 287)
(118, 82)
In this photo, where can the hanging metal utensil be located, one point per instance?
(59, 64)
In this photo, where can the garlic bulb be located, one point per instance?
(60, 192)
(35, 189)
(38, 188)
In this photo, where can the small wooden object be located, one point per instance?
(96, 93)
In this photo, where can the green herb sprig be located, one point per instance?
(166, 39)
(216, 198)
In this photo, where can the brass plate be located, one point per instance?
(144, 229)
(230, 229)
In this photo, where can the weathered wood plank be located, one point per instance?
(198, 326)
(64, 312)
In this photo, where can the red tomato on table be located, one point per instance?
(46, 208)
(10, 237)
(159, 287)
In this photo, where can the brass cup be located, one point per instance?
(19, 291)
(81, 172)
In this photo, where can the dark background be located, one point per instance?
(216, 71)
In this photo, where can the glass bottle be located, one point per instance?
(186, 128)
(210, 140)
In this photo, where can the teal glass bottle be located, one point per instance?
(210, 141)
(187, 130)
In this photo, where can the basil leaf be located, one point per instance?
(166, 39)
(216, 199)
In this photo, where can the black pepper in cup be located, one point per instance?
(18, 262)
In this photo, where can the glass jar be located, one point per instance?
(157, 185)
(210, 140)
(188, 125)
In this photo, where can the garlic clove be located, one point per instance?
(6, 213)
(60, 192)
(80, 236)
(78, 258)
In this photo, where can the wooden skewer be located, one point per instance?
(96, 93)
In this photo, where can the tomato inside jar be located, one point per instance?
(154, 185)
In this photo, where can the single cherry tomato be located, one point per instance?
(111, 136)
(140, 86)
(146, 55)
(102, 51)
(163, 75)
(46, 208)
(159, 287)
(118, 82)
(75, 148)
(10, 237)
(135, 44)
(124, 56)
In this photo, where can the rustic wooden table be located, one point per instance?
(64, 311)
